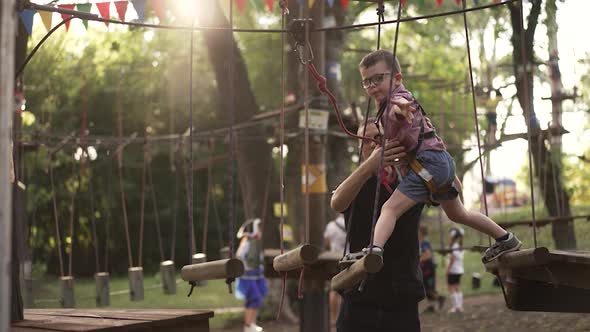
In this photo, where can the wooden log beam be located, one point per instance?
(304, 255)
(520, 259)
(220, 269)
(325, 268)
(135, 283)
(168, 272)
(354, 274)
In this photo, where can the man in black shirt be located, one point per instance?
(389, 299)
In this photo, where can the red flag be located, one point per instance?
(241, 5)
(65, 16)
(104, 8)
(121, 9)
(344, 4)
(439, 2)
(403, 3)
(458, 2)
(158, 7)
(270, 4)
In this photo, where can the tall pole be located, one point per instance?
(7, 41)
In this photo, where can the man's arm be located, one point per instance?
(345, 193)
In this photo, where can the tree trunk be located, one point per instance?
(563, 234)
(253, 151)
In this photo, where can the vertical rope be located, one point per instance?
(189, 172)
(93, 224)
(72, 200)
(230, 171)
(306, 130)
(386, 115)
(527, 110)
(175, 207)
(55, 217)
(485, 202)
(122, 189)
(154, 204)
(142, 205)
(207, 202)
(380, 18)
(282, 132)
(109, 213)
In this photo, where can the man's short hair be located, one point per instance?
(374, 57)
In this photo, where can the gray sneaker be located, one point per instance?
(500, 248)
(353, 257)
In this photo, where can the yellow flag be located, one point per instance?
(310, 2)
(46, 18)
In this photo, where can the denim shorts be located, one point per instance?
(441, 166)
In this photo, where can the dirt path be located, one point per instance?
(482, 313)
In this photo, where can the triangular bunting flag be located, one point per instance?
(330, 3)
(439, 2)
(121, 9)
(46, 19)
(458, 2)
(158, 7)
(104, 8)
(270, 4)
(140, 9)
(27, 17)
(254, 4)
(241, 5)
(344, 4)
(310, 3)
(84, 7)
(403, 3)
(65, 16)
(475, 2)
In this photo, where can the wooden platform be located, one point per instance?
(176, 320)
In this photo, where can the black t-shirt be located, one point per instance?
(400, 279)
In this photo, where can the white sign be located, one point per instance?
(318, 119)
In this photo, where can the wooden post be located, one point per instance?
(7, 40)
(168, 272)
(199, 258)
(136, 283)
(224, 252)
(67, 292)
(102, 289)
(221, 269)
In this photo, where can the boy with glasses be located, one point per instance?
(428, 171)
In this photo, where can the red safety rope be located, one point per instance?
(323, 87)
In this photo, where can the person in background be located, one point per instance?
(455, 268)
(251, 286)
(334, 241)
(428, 266)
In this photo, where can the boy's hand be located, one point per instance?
(403, 107)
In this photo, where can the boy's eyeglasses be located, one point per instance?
(374, 80)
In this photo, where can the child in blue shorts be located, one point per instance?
(428, 173)
(251, 286)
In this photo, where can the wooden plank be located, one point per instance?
(128, 314)
(306, 254)
(177, 320)
(324, 268)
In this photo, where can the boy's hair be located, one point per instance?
(374, 57)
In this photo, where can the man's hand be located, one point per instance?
(393, 152)
(403, 107)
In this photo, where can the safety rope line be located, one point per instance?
(178, 168)
(246, 30)
(385, 123)
(121, 186)
(306, 130)
(527, 111)
(474, 104)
